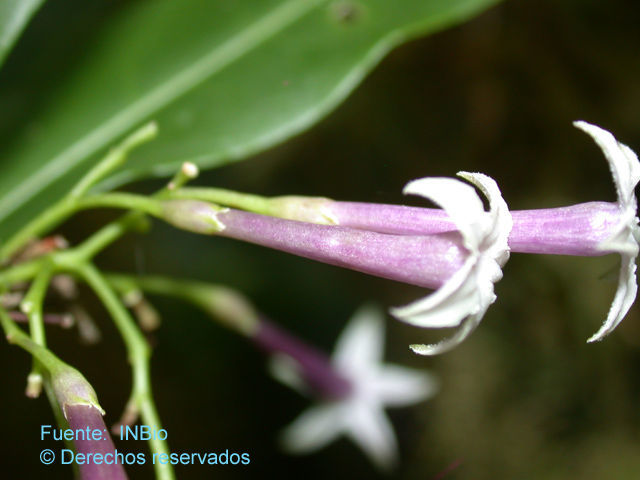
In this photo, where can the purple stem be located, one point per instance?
(315, 367)
(89, 419)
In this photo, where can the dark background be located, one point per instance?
(524, 397)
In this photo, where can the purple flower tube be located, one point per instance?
(319, 376)
(80, 407)
(462, 264)
(586, 229)
(102, 462)
(422, 260)
(574, 230)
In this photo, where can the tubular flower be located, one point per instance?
(359, 385)
(462, 265)
(299, 365)
(80, 407)
(593, 228)
(585, 229)
(422, 260)
(466, 296)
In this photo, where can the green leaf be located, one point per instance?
(223, 79)
(14, 16)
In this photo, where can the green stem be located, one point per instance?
(115, 158)
(62, 259)
(72, 202)
(17, 337)
(21, 272)
(228, 198)
(49, 219)
(53, 365)
(56, 369)
(140, 204)
(68, 206)
(32, 306)
(128, 201)
(108, 234)
(224, 305)
(292, 207)
(114, 230)
(139, 355)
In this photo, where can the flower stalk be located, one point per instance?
(141, 400)
(31, 306)
(234, 311)
(71, 203)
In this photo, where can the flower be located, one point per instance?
(466, 296)
(358, 412)
(462, 265)
(586, 229)
(422, 260)
(299, 365)
(593, 228)
(625, 170)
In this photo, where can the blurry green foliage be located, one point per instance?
(14, 16)
(223, 79)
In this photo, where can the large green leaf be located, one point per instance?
(224, 79)
(14, 16)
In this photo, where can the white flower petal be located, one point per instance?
(398, 386)
(361, 343)
(446, 307)
(360, 413)
(314, 428)
(371, 430)
(497, 231)
(624, 240)
(458, 199)
(623, 162)
(469, 292)
(624, 298)
(625, 170)
(468, 326)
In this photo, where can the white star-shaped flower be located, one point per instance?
(625, 170)
(466, 296)
(360, 413)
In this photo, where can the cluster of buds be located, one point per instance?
(458, 250)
